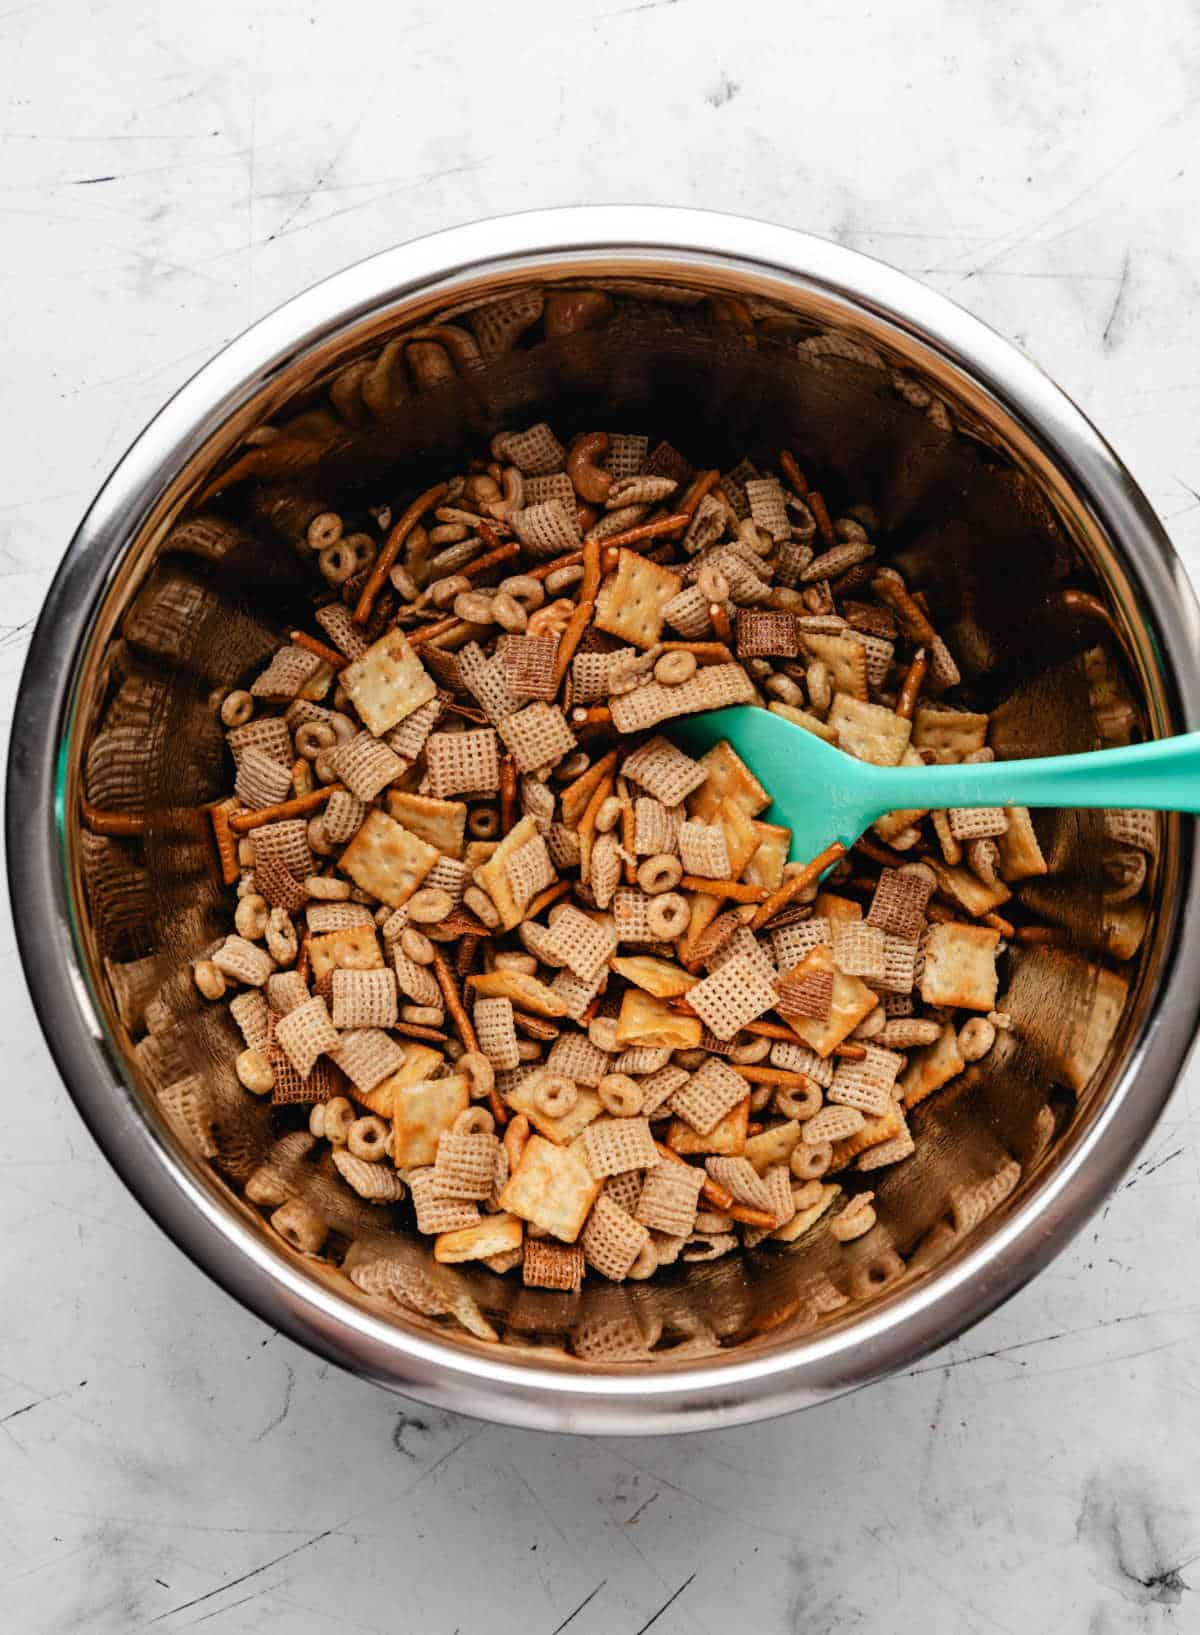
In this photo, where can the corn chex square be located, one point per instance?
(711, 1092)
(366, 765)
(612, 1240)
(537, 736)
(732, 996)
(582, 944)
(669, 1198)
(613, 1145)
(664, 771)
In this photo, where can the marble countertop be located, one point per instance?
(167, 175)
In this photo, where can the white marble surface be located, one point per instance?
(168, 174)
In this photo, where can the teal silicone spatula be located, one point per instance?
(826, 795)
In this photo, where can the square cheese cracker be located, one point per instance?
(387, 683)
(552, 1188)
(387, 859)
(630, 604)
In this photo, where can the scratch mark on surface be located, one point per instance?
(285, 1408)
(537, 1499)
(438, 1463)
(646, 5)
(645, 1505)
(557, 1630)
(93, 181)
(1107, 339)
(1048, 1339)
(670, 1599)
(232, 1583)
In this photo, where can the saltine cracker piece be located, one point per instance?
(440, 823)
(387, 860)
(960, 966)
(492, 876)
(421, 1113)
(868, 731)
(551, 1188)
(726, 777)
(852, 1000)
(387, 683)
(630, 604)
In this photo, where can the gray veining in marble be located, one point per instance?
(168, 174)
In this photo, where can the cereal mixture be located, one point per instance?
(535, 973)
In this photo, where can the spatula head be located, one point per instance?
(817, 791)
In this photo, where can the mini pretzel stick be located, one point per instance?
(587, 824)
(427, 632)
(463, 1027)
(851, 1053)
(772, 1030)
(796, 884)
(1049, 936)
(719, 619)
(793, 473)
(910, 687)
(544, 898)
(543, 570)
(712, 1192)
(701, 484)
(242, 822)
(226, 844)
(488, 534)
(628, 833)
(877, 852)
(648, 530)
(328, 655)
(739, 891)
(591, 715)
(588, 778)
(998, 923)
(704, 652)
(121, 825)
(515, 1138)
(492, 558)
(816, 504)
(590, 583)
(774, 1075)
(591, 1010)
(750, 1216)
(572, 636)
(386, 559)
(454, 1004)
(890, 588)
(508, 793)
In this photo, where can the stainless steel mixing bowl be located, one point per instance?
(1071, 615)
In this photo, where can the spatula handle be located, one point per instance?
(1162, 776)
